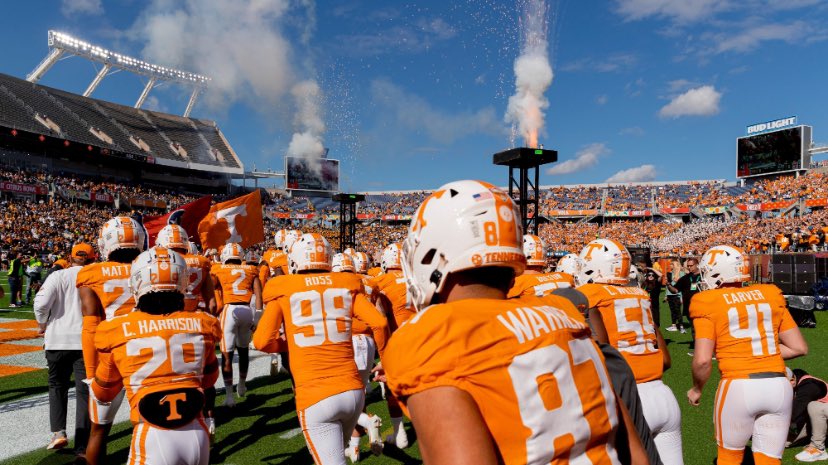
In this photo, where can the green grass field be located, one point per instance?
(262, 428)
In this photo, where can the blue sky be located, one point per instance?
(412, 95)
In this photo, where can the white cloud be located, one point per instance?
(752, 36)
(245, 53)
(682, 11)
(83, 7)
(585, 158)
(416, 113)
(701, 101)
(612, 63)
(637, 174)
(602, 99)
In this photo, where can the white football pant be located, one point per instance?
(327, 425)
(364, 350)
(103, 413)
(753, 407)
(661, 410)
(236, 327)
(188, 445)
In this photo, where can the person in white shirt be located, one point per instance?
(57, 308)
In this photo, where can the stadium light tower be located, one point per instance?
(61, 44)
(525, 160)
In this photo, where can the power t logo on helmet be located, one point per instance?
(465, 224)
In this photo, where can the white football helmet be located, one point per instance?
(173, 236)
(463, 225)
(291, 236)
(570, 264)
(604, 261)
(342, 263)
(360, 262)
(723, 264)
(231, 251)
(349, 251)
(390, 259)
(310, 252)
(158, 270)
(534, 249)
(633, 275)
(279, 238)
(192, 248)
(121, 232)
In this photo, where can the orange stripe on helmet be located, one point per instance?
(163, 266)
(420, 222)
(508, 234)
(129, 232)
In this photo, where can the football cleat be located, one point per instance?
(400, 439)
(211, 428)
(374, 438)
(230, 400)
(241, 388)
(352, 453)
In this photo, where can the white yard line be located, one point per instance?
(25, 423)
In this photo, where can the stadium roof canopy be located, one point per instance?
(61, 43)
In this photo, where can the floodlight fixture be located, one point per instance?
(71, 45)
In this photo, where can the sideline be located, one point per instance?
(25, 422)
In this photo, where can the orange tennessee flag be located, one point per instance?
(238, 220)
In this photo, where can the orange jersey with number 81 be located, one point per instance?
(530, 366)
(745, 324)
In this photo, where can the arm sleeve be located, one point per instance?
(44, 300)
(266, 337)
(365, 312)
(211, 370)
(108, 381)
(704, 328)
(90, 353)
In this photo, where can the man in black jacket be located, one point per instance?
(688, 286)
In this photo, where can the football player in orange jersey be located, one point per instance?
(751, 332)
(318, 309)
(534, 281)
(238, 285)
(570, 264)
(199, 293)
(488, 379)
(104, 292)
(165, 357)
(392, 299)
(364, 353)
(277, 265)
(620, 316)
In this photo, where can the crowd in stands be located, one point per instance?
(48, 225)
